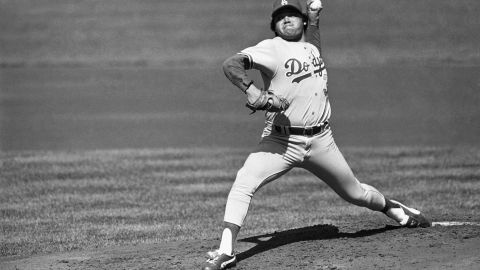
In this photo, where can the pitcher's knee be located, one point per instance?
(239, 196)
(245, 183)
(241, 190)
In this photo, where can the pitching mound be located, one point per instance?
(448, 245)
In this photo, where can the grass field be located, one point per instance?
(120, 136)
(64, 201)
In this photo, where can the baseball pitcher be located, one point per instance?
(297, 131)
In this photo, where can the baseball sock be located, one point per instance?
(229, 235)
(226, 244)
(395, 212)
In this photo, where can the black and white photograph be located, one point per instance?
(223, 134)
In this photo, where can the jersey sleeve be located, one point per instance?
(262, 57)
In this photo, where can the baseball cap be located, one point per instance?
(278, 5)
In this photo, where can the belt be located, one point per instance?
(309, 131)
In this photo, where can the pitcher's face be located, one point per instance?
(289, 25)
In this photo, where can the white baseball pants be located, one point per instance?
(277, 154)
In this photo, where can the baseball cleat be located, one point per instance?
(219, 261)
(415, 217)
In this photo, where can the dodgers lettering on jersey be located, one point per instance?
(295, 71)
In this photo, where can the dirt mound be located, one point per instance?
(315, 247)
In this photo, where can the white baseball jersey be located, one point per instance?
(295, 71)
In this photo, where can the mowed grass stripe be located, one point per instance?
(58, 201)
(453, 173)
(120, 164)
(125, 182)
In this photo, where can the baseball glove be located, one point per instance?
(268, 101)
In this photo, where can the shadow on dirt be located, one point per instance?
(270, 241)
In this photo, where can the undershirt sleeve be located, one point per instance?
(235, 69)
(260, 57)
(312, 36)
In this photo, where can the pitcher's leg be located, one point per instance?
(327, 162)
(259, 169)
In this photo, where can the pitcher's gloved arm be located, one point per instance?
(235, 68)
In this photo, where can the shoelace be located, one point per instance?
(212, 254)
(412, 222)
(213, 260)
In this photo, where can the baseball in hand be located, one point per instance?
(315, 5)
